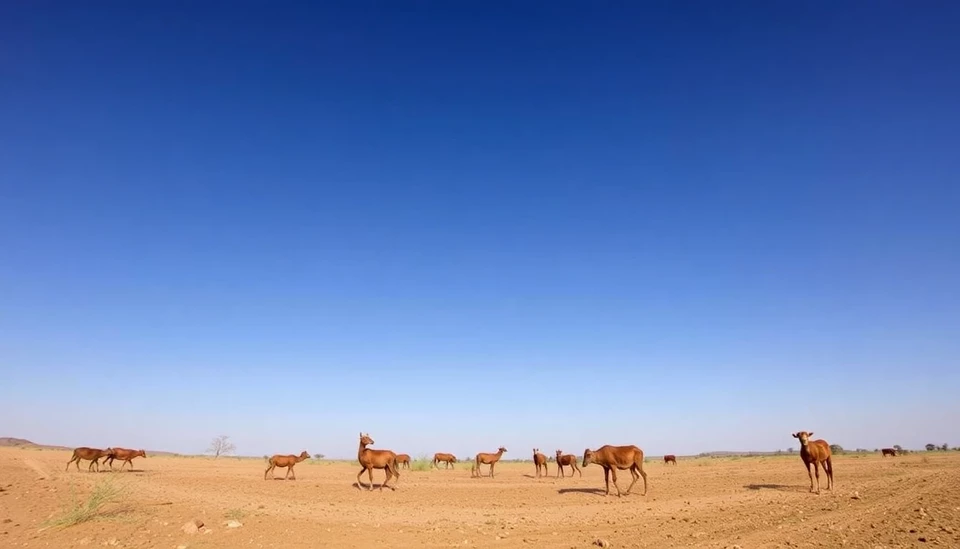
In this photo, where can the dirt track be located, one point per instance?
(750, 502)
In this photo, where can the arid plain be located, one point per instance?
(906, 501)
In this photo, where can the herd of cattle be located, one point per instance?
(814, 453)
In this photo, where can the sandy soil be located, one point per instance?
(750, 502)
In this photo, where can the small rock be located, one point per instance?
(112, 542)
(192, 527)
(181, 547)
(921, 538)
(84, 541)
(7, 521)
(601, 542)
(856, 495)
(207, 531)
(233, 524)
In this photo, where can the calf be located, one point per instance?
(816, 453)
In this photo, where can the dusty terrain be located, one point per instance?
(905, 501)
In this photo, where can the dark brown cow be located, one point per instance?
(125, 455)
(888, 452)
(540, 461)
(93, 454)
(669, 458)
(569, 460)
(816, 453)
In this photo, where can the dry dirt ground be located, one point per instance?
(749, 502)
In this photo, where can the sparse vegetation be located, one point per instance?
(318, 456)
(235, 514)
(931, 447)
(221, 446)
(105, 492)
(836, 449)
(422, 463)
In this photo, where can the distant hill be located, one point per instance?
(13, 442)
(22, 442)
(10, 441)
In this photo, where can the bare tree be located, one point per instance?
(221, 446)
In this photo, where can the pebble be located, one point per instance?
(234, 524)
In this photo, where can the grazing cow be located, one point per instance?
(403, 460)
(447, 459)
(487, 459)
(540, 461)
(816, 453)
(888, 452)
(92, 454)
(287, 461)
(669, 458)
(569, 460)
(376, 459)
(124, 454)
(612, 458)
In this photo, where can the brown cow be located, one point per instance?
(124, 454)
(93, 454)
(376, 459)
(567, 460)
(487, 459)
(288, 461)
(612, 458)
(669, 458)
(447, 459)
(816, 453)
(540, 461)
(888, 452)
(403, 461)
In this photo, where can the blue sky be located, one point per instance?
(688, 227)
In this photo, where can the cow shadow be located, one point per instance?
(594, 491)
(366, 487)
(776, 487)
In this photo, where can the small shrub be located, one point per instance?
(234, 514)
(104, 493)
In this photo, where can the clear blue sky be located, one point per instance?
(686, 226)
